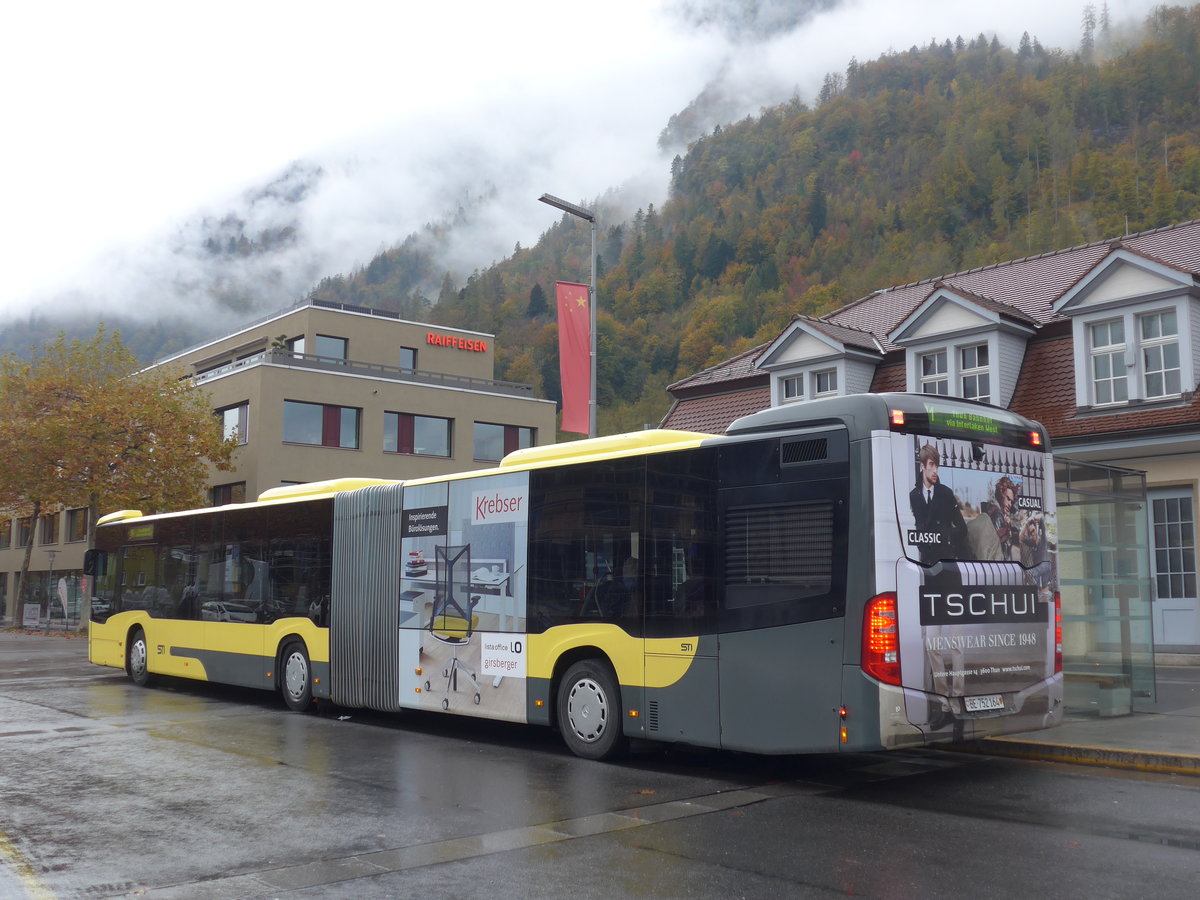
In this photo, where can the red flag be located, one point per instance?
(574, 355)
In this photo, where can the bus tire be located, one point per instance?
(137, 659)
(295, 677)
(589, 711)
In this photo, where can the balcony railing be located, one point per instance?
(366, 370)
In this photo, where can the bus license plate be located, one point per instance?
(983, 704)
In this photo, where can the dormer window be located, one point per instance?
(935, 378)
(974, 374)
(1134, 321)
(813, 358)
(1108, 362)
(958, 369)
(1160, 354)
(793, 388)
(1134, 356)
(961, 344)
(825, 383)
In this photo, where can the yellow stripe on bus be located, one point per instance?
(639, 662)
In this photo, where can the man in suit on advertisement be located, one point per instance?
(940, 529)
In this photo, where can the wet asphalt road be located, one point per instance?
(197, 791)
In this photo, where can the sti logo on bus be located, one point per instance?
(499, 505)
(982, 605)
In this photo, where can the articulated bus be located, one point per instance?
(857, 573)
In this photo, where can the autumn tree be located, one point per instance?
(82, 426)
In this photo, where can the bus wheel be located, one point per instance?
(296, 683)
(589, 717)
(137, 659)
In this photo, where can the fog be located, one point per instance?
(143, 135)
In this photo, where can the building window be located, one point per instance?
(1160, 354)
(321, 425)
(49, 531)
(825, 383)
(329, 347)
(408, 357)
(973, 372)
(793, 387)
(234, 422)
(421, 435)
(224, 494)
(934, 377)
(296, 344)
(5, 534)
(24, 531)
(1174, 543)
(1108, 362)
(493, 442)
(77, 524)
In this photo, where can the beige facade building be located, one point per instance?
(315, 392)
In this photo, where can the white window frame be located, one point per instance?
(975, 373)
(938, 380)
(1173, 543)
(791, 389)
(1159, 344)
(1111, 386)
(1138, 369)
(799, 385)
(830, 373)
(951, 350)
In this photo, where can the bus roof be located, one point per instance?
(608, 447)
(862, 414)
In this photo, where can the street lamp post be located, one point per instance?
(588, 216)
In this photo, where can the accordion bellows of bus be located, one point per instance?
(856, 573)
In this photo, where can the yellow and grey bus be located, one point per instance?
(856, 573)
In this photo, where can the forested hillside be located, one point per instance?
(922, 162)
(928, 161)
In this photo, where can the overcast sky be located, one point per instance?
(125, 122)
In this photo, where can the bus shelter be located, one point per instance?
(1106, 585)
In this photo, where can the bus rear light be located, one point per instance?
(1058, 650)
(881, 639)
(1035, 439)
(897, 418)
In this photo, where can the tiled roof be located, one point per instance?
(844, 334)
(1026, 286)
(889, 377)
(740, 366)
(1023, 290)
(713, 414)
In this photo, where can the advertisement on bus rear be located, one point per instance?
(977, 613)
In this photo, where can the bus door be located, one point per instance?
(679, 598)
(227, 584)
(976, 583)
(784, 510)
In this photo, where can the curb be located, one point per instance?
(1115, 757)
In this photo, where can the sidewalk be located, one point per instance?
(1163, 736)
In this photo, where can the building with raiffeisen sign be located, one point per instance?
(316, 392)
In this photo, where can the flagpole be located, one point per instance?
(592, 312)
(588, 216)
